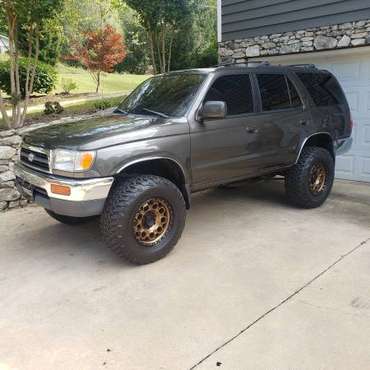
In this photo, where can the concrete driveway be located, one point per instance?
(253, 284)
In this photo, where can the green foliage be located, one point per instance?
(68, 85)
(45, 77)
(193, 31)
(162, 20)
(103, 104)
(137, 60)
(81, 16)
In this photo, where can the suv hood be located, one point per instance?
(93, 133)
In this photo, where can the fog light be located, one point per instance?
(60, 189)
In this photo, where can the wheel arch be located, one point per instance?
(166, 167)
(319, 139)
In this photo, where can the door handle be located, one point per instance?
(251, 130)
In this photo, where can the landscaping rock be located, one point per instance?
(9, 195)
(344, 42)
(7, 152)
(7, 133)
(7, 185)
(3, 168)
(3, 205)
(253, 51)
(358, 42)
(324, 42)
(11, 140)
(7, 176)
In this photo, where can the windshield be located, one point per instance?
(168, 95)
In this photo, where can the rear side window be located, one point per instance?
(235, 91)
(323, 88)
(277, 92)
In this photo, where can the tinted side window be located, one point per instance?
(294, 97)
(323, 88)
(274, 91)
(236, 91)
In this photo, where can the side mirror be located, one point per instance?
(214, 110)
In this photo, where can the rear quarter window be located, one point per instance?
(323, 88)
(277, 92)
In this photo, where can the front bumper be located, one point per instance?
(87, 197)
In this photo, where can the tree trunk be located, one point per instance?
(151, 43)
(172, 37)
(98, 82)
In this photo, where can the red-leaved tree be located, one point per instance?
(100, 51)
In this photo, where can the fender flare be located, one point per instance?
(304, 142)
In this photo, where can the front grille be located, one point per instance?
(35, 158)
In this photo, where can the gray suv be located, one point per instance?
(183, 132)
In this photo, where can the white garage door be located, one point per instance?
(354, 75)
(352, 68)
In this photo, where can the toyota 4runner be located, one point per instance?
(183, 132)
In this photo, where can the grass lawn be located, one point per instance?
(111, 82)
(81, 108)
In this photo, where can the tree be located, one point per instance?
(100, 52)
(137, 59)
(50, 41)
(162, 19)
(80, 16)
(31, 17)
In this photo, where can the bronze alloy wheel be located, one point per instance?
(151, 221)
(318, 178)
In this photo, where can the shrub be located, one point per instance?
(103, 104)
(45, 77)
(68, 85)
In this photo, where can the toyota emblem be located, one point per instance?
(31, 157)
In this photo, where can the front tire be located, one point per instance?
(309, 182)
(143, 218)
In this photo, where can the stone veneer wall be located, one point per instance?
(9, 150)
(340, 36)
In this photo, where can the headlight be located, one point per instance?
(72, 161)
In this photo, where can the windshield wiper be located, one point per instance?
(119, 110)
(156, 113)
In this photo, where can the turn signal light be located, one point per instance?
(60, 189)
(86, 160)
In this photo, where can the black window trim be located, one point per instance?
(259, 95)
(253, 88)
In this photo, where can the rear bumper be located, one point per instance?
(87, 197)
(344, 146)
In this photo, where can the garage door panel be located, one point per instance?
(354, 75)
(365, 166)
(353, 98)
(346, 166)
(346, 71)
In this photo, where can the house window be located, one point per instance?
(235, 91)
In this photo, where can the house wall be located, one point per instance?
(250, 18)
(338, 36)
(4, 44)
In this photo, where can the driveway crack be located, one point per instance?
(276, 307)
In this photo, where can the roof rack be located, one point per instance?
(252, 63)
(303, 65)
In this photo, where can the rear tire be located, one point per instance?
(143, 218)
(68, 220)
(309, 182)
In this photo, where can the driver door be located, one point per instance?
(219, 146)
